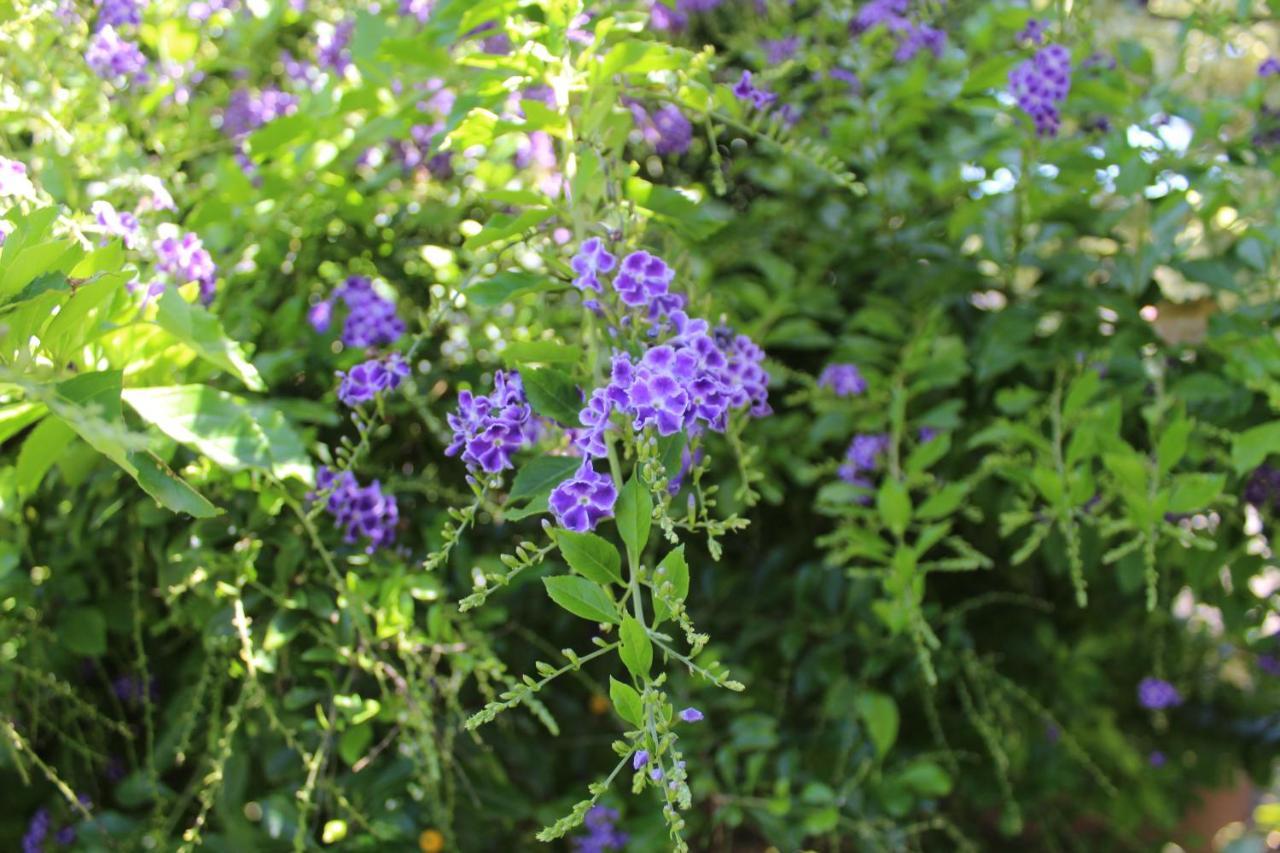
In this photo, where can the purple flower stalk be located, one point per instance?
(666, 128)
(118, 13)
(114, 58)
(37, 829)
(845, 380)
(371, 319)
(488, 430)
(185, 259)
(361, 512)
(1156, 694)
(1040, 84)
(584, 500)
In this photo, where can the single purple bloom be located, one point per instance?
(691, 715)
(1157, 694)
(639, 759)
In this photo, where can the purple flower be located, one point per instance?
(371, 319)
(370, 378)
(185, 259)
(591, 260)
(601, 834)
(320, 315)
(114, 58)
(642, 278)
(1270, 67)
(118, 13)
(666, 19)
(666, 128)
(14, 180)
(246, 111)
(1270, 664)
(691, 715)
(843, 379)
(333, 46)
(361, 512)
(918, 37)
(639, 759)
(847, 77)
(655, 773)
(1033, 32)
(926, 435)
(66, 836)
(1263, 486)
(37, 829)
(488, 430)
(889, 13)
(778, 51)
(743, 89)
(583, 500)
(1156, 694)
(420, 9)
(1040, 84)
(122, 224)
(1156, 758)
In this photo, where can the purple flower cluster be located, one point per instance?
(115, 58)
(118, 13)
(863, 457)
(1033, 32)
(584, 500)
(745, 90)
(488, 430)
(1270, 67)
(246, 111)
(601, 835)
(186, 259)
(333, 46)
(371, 319)
(1157, 694)
(1040, 84)
(845, 380)
(778, 51)
(892, 15)
(370, 378)
(1263, 487)
(116, 223)
(666, 128)
(37, 830)
(362, 512)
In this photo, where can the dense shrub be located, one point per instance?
(677, 424)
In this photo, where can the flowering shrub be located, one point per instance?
(411, 412)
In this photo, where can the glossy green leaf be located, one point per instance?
(636, 650)
(581, 597)
(627, 702)
(633, 514)
(201, 331)
(590, 556)
(553, 394)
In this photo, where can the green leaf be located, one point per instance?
(636, 650)
(627, 702)
(201, 331)
(503, 226)
(40, 450)
(634, 516)
(641, 57)
(540, 352)
(168, 488)
(697, 221)
(354, 742)
(80, 316)
(1253, 446)
(1082, 389)
(926, 779)
(590, 556)
(582, 598)
(673, 568)
(16, 417)
(925, 455)
(534, 482)
(23, 265)
(1191, 492)
(1172, 445)
(880, 714)
(233, 432)
(506, 286)
(894, 505)
(553, 394)
(83, 630)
